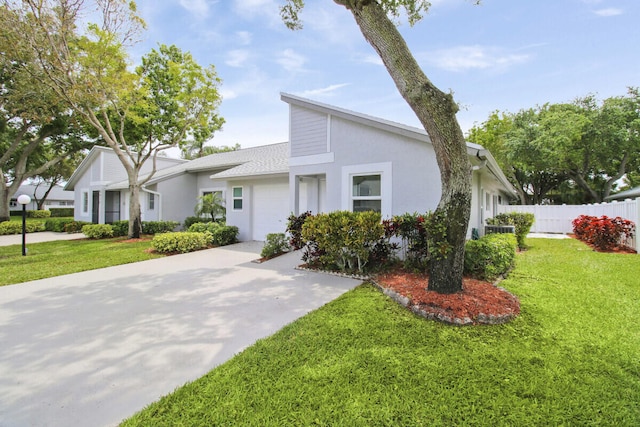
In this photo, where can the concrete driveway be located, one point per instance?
(93, 348)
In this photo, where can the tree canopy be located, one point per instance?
(569, 152)
(164, 102)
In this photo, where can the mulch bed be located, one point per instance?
(479, 302)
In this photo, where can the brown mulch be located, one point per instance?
(479, 302)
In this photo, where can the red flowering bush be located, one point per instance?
(603, 233)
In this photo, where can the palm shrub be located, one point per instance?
(210, 205)
(522, 221)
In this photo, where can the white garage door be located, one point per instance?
(270, 209)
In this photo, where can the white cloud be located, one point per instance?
(244, 37)
(265, 10)
(608, 12)
(322, 91)
(198, 8)
(237, 58)
(291, 61)
(372, 59)
(462, 58)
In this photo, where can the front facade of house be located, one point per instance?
(57, 197)
(335, 160)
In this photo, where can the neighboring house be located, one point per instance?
(336, 160)
(57, 197)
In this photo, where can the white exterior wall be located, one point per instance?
(177, 197)
(244, 219)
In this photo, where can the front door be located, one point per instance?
(95, 207)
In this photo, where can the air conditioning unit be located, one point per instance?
(492, 229)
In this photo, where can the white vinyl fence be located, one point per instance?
(557, 218)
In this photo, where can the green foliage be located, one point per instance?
(57, 224)
(120, 228)
(61, 212)
(275, 244)
(156, 227)
(97, 231)
(211, 205)
(39, 214)
(190, 220)
(570, 153)
(521, 220)
(220, 234)
(224, 235)
(180, 242)
(491, 256)
(75, 226)
(15, 227)
(344, 239)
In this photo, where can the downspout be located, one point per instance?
(144, 188)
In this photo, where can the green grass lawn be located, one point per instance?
(572, 358)
(55, 258)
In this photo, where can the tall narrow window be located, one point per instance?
(152, 201)
(85, 202)
(237, 198)
(366, 193)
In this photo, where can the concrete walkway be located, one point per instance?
(41, 236)
(93, 348)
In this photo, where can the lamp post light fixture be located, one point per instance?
(24, 200)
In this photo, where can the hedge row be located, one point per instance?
(15, 227)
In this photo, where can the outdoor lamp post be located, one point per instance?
(24, 200)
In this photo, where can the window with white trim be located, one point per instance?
(152, 201)
(85, 202)
(236, 193)
(366, 194)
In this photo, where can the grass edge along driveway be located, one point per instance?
(571, 358)
(50, 259)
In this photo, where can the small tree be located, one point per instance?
(211, 204)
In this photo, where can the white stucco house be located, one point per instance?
(57, 197)
(335, 159)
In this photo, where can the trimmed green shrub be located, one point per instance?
(97, 231)
(61, 212)
(491, 256)
(521, 220)
(15, 227)
(201, 227)
(120, 228)
(156, 227)
(275, 244)
(190, 220)
(224, 235)
(180, 242)
(38, 214)
(57, 224)
(75, 226)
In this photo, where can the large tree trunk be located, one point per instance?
(135, 216)
(437, 113)
(5, 214)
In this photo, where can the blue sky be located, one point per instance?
(502, 55)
